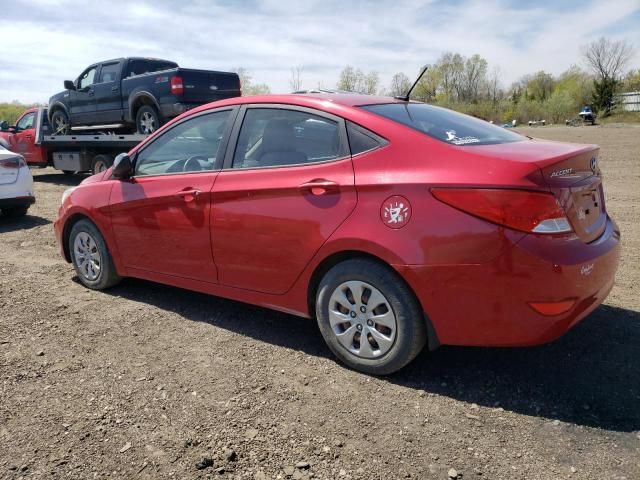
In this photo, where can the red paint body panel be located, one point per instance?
(22, 142)
(256, 237)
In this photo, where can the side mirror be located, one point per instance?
(69, 85)
(122, 167)
(4, 126)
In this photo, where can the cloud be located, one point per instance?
(57, 39)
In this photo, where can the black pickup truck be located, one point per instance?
(136, 92)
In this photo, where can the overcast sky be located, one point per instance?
(48, 41)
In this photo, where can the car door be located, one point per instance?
(160, 217)
(288, 183)
(24, 137)
(82, 104)
(107, 94)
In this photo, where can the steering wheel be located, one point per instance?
(192, 164)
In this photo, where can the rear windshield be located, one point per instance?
(140, 67)
(445, 125)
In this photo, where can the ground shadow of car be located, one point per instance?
(60, 178)
(10, 224)
(589, 377)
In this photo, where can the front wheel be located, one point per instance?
(60, 123)
(147, 120)
(90, 257)
(369, 318)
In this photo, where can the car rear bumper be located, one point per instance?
(17, 202)
(491, 304)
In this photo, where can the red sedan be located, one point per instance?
(395, 224)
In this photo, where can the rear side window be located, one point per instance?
(109, 73)
(445, 125)
(362, 140)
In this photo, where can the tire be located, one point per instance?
(100, 163)
(147, 120)
(15, 212)
(90, 257)
(60, 123)
(398, 343)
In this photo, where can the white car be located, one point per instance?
(16, 184)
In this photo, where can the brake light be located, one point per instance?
(523, 210)
(13, 162)
(177, 87)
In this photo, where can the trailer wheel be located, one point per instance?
(100, 163)
(147, 120)
(60, 123)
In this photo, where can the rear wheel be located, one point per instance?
(15, 212)
(90, 257)
(147, 120)
(60, 123)
(100, 163)
(369, 318)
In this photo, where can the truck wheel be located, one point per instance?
(369, 317)
(147, 120)
(60, 123)
(100, 163)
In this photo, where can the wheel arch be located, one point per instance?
(140, 99)
(53, 108)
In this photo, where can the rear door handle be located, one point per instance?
(319, 187)
(189, 195)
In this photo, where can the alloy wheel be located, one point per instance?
(147, 123)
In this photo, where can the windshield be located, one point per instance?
(445, 125)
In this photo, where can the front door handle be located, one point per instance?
(319, 186)
(189, 195)
(91, 93)
(114, 89)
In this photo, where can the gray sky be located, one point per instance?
(48, 41)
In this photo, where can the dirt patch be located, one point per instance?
(148, 381)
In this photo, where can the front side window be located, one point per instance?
(86, 79)
(109, 73)
(274, 137)
(26, 121)
(445, 125)
(191, 146)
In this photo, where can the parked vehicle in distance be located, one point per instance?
(136, 92)
(31, 137)
(393, 223)
(16, 184)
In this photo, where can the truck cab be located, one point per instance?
(21, 137)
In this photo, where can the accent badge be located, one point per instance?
(395, 211)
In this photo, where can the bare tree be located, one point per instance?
(400, 84)
(296, 78)
(608, 58)
(348, 79)
(247, 85)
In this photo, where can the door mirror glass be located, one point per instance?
(69, 85)
(122, 167)
(4, 126)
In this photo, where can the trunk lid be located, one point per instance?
(571, 173)
(203, 86)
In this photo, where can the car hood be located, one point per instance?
(58, 96)
(96, 178)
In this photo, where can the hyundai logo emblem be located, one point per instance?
(594, 164)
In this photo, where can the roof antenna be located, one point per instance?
(406, 96)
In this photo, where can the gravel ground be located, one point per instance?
(147, 381)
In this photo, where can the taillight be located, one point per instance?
(177, 87)
(13, 162)
(524, 210)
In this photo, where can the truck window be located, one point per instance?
(26, 121)
(109, 72)
(140, 67)
(86, 79)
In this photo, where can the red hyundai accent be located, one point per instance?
(395, 224)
